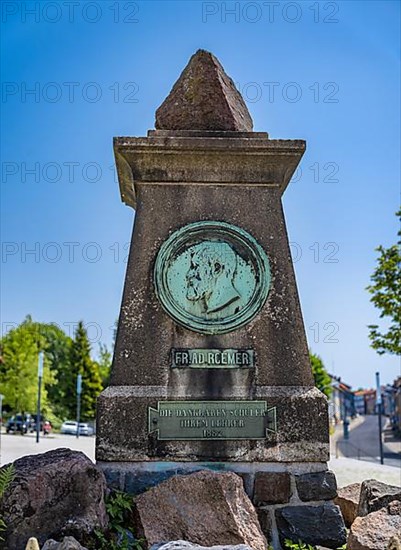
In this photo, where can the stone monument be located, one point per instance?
(211, 367)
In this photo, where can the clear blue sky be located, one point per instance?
(336, 65)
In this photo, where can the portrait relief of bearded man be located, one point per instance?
(210, 277)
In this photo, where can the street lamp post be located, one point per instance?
(40, 376)
(345, 422)
(79, 391)
(379, 414)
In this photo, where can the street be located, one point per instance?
(15, 446)
(363, 442)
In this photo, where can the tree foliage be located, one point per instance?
(57, 346)
(385, 293)
(20, 349)
(320, 374)
(104, 362)
(82, 363)
(64, 359)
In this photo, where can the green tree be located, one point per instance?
(385, 293)
(320, 374)
(104, 363)
(58, 351)
(19, 368)
(56, 344)
(82, 363)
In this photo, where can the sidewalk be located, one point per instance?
(349, 470)
(363, 441)
(339, 432)
(391, 440)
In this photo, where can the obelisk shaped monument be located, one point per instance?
(211, 366)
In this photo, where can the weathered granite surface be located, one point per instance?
(316, 486)
(57, 493)
(301, 416)
(207, 508)
(376, 495)
(68, 543)
(185, 545)
(276, 334)
(136, 477)
(348, 499)
(214, 158)
(272, 488)
(318, 525)
(375, 531)
(204, 98)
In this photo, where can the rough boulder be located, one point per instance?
(54, 494)
(206, 508)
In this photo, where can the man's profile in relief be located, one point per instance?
(210, 277)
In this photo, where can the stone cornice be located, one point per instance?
(214, 158)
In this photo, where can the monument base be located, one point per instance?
(285, 474)
(138, 477)
(302, 428)
(287, 496)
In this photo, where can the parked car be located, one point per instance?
(70, 427)
(85, 429)
(18, 423)
(33, 422)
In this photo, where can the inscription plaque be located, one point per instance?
(212, 358)
(211, 420)
(211, 277)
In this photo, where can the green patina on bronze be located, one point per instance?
(204, 358)
(211, 420)
(212, 277)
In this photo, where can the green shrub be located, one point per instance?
(303, 546)
(119, 507)
(298, 545)
(6, 478)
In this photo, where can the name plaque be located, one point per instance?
(211, 420)
(212, 358)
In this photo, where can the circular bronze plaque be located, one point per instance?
(211, 277)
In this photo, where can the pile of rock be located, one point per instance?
(56, 502)
(372, 510)
(212, 508)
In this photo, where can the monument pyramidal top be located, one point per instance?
(204, 98)
(204, 133)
